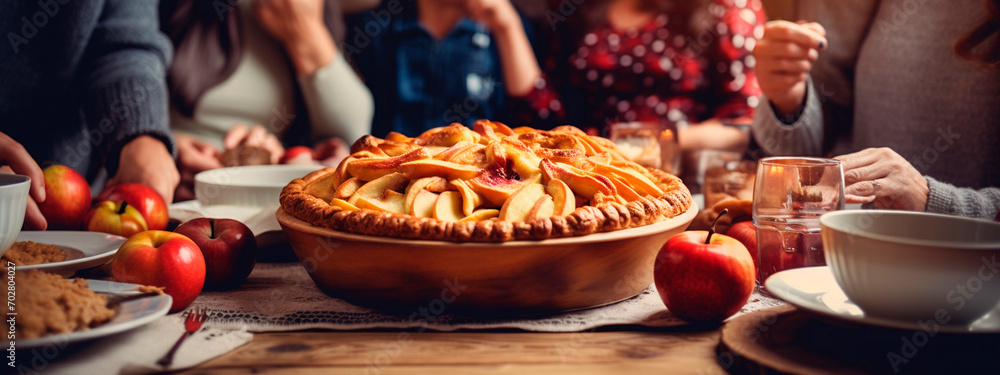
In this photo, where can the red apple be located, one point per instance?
(116, 218)
(298, 155)
(67, 198)
(703, 278)
(149, 203)
(163, 259)
(746, 233)
(229, 248)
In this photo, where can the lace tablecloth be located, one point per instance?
(282, 297)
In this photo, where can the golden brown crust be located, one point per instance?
(309, 199)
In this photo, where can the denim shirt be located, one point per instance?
(419, 82)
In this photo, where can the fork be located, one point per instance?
(191, 324)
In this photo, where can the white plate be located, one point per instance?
(92, 249)
(131, 314)
(814, 289)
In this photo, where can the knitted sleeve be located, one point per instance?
(799, 136)
(123, 73)
(948, 199)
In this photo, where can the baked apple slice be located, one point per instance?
(372, 168)
(522, 203)
(348, 188)
(470, 199)
(382, 194)
(641, 183)
(563, 199)
(434, 184)
(433, 167)
(482, 214)
(542, 209)
(583, 183)
(448, 206)
(447, 136)
(337, 202)
(391, 201)
(423, 204)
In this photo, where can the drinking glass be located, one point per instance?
(725, 175)
(790, 194)
(650, 144)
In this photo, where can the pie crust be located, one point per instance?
(313, 198)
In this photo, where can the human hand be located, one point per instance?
(884, 178)
(146, 160)
(298, 25)
(18, 161)
(331, 152)
(785, 56)
(257, 136)
(497, 15)
(193, 156)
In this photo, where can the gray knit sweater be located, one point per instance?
(80, 79)
(890, 79)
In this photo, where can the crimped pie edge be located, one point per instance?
(606, 217)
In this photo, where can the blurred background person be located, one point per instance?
(913, 85)
(85, 88)
(685, 63)
(275, 65)
(433, 62)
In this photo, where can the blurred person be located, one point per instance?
(686, 63)
(355, 6)
(82, 84)
(433, 62)
(261, 73)
(913, 85)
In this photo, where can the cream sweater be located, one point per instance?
(260, 91)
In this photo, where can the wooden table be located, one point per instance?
(382, 352)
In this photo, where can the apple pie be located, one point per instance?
(490, 183)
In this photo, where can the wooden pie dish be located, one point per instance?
(513, 278)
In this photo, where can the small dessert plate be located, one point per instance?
(83, 249)
(814, 289)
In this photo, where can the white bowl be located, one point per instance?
(13, 201)
(915, 266)
(253, 186)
